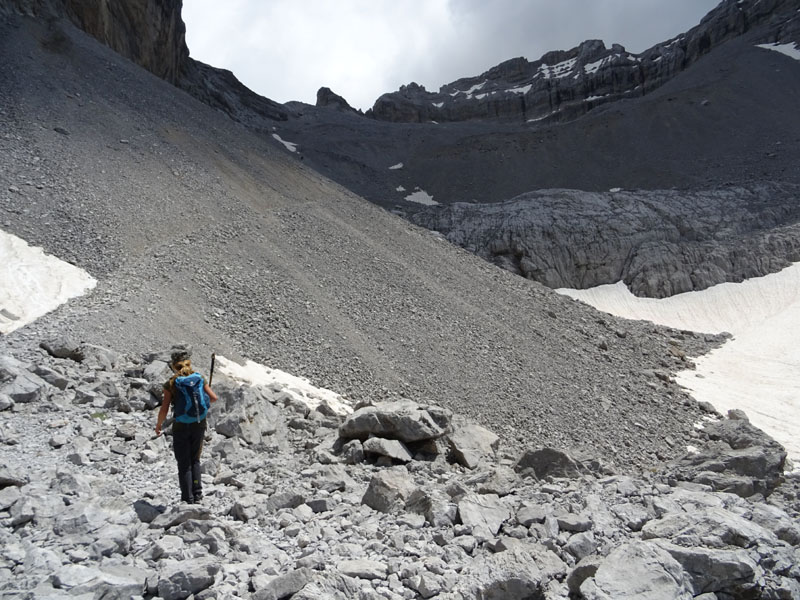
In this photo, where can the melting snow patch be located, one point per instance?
(595, 66)
(791, 50)
(593, 98)
(395, 167)
(758, 370)
(615, 190)
(559, 70)
(299, 388)
(34, 283)
(290, 146)
(421, 197)
(400, 188)
(438, 104)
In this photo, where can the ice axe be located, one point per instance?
(211, 374)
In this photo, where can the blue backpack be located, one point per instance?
(190, 402)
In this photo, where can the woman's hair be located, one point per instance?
(183, 367)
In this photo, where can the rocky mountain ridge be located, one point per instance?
(391, 501)
(563, 85)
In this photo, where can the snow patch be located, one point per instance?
(438, 104)
(791, 50)
(300, 388)
(521, 90)
(558, 70)
(400, 188)
(395, 167)
(758, 370)
(34, 283)
(421, 197)
(595, 66)
(290, 146)
(615, 190)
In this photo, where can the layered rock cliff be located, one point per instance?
(562, 85)
(659, 242)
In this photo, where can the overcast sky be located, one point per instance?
(288, 49)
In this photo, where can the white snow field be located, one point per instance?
(791, 50)
(758, 370)
(33, 283)
(421, 197)
(290, 146)
(300, 388)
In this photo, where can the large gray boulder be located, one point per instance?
(388, 490)
(393, 449)
(285, 586)
(484, 513)
(638, 570)
(739, 458)
(710, 527)
(246, 412)
(510, 575)
(730, 572)
(471, 444)
(403, 420)
(181, 579)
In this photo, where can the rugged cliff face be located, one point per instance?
(660, 243)
(563, 85)
(151, 33)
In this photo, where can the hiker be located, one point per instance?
(189, 395)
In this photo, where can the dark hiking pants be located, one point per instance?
(187, 442)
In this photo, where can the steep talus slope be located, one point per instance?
(660, 243)
(200, 230)
(562, 85)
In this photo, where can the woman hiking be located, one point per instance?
(190, 396)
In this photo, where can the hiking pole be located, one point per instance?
(211, 375)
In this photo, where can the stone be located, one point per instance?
(730, 572)
(471, 444)
(285, 586)
(180, 514)
(586, 567)
(710, 527)
(181, 579)
(363, 569)
(5, 402)
(146, 511)
(353, 452)
(638, 570)
(25, 388)
(574, 522)
(103, 582)
(63, 347)
(394, 449)
(510, 575)
(388, 490)
(285, 499)
(434, 505)
(581, 545)
(403, 420)
(485, 514)
(547, 462)
(634, 516)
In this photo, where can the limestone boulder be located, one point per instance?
(403, 420)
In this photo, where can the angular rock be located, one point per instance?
(403, 420)
(285, 586)
(470, 443)
(179, 580)
(710, 527)
(180, 514)
(394, 449)
(434, 505)
(638, 570)
(485, 514)
(511, 575)
(548, 462)
(63, 347)
(388, 490)
(363, 569)
(353, 452)
(730, 572)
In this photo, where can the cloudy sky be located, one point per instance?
(288, 49)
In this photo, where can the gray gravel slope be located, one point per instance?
(202, 231)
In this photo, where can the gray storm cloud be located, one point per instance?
(286, 50)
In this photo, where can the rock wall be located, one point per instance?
(563, 85)
(660, 243)
(151, 33)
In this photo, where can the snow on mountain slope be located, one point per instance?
(758, 370)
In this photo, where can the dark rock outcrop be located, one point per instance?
(328, 98)
(152, 34)
(659, 242)
(565, 84)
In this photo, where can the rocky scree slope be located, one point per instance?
(660, 243)
(201, 230)
(392, 501)
(563, 85)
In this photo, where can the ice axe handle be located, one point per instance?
(211, 375)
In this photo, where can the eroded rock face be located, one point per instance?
(567, 83)
(660, 243)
